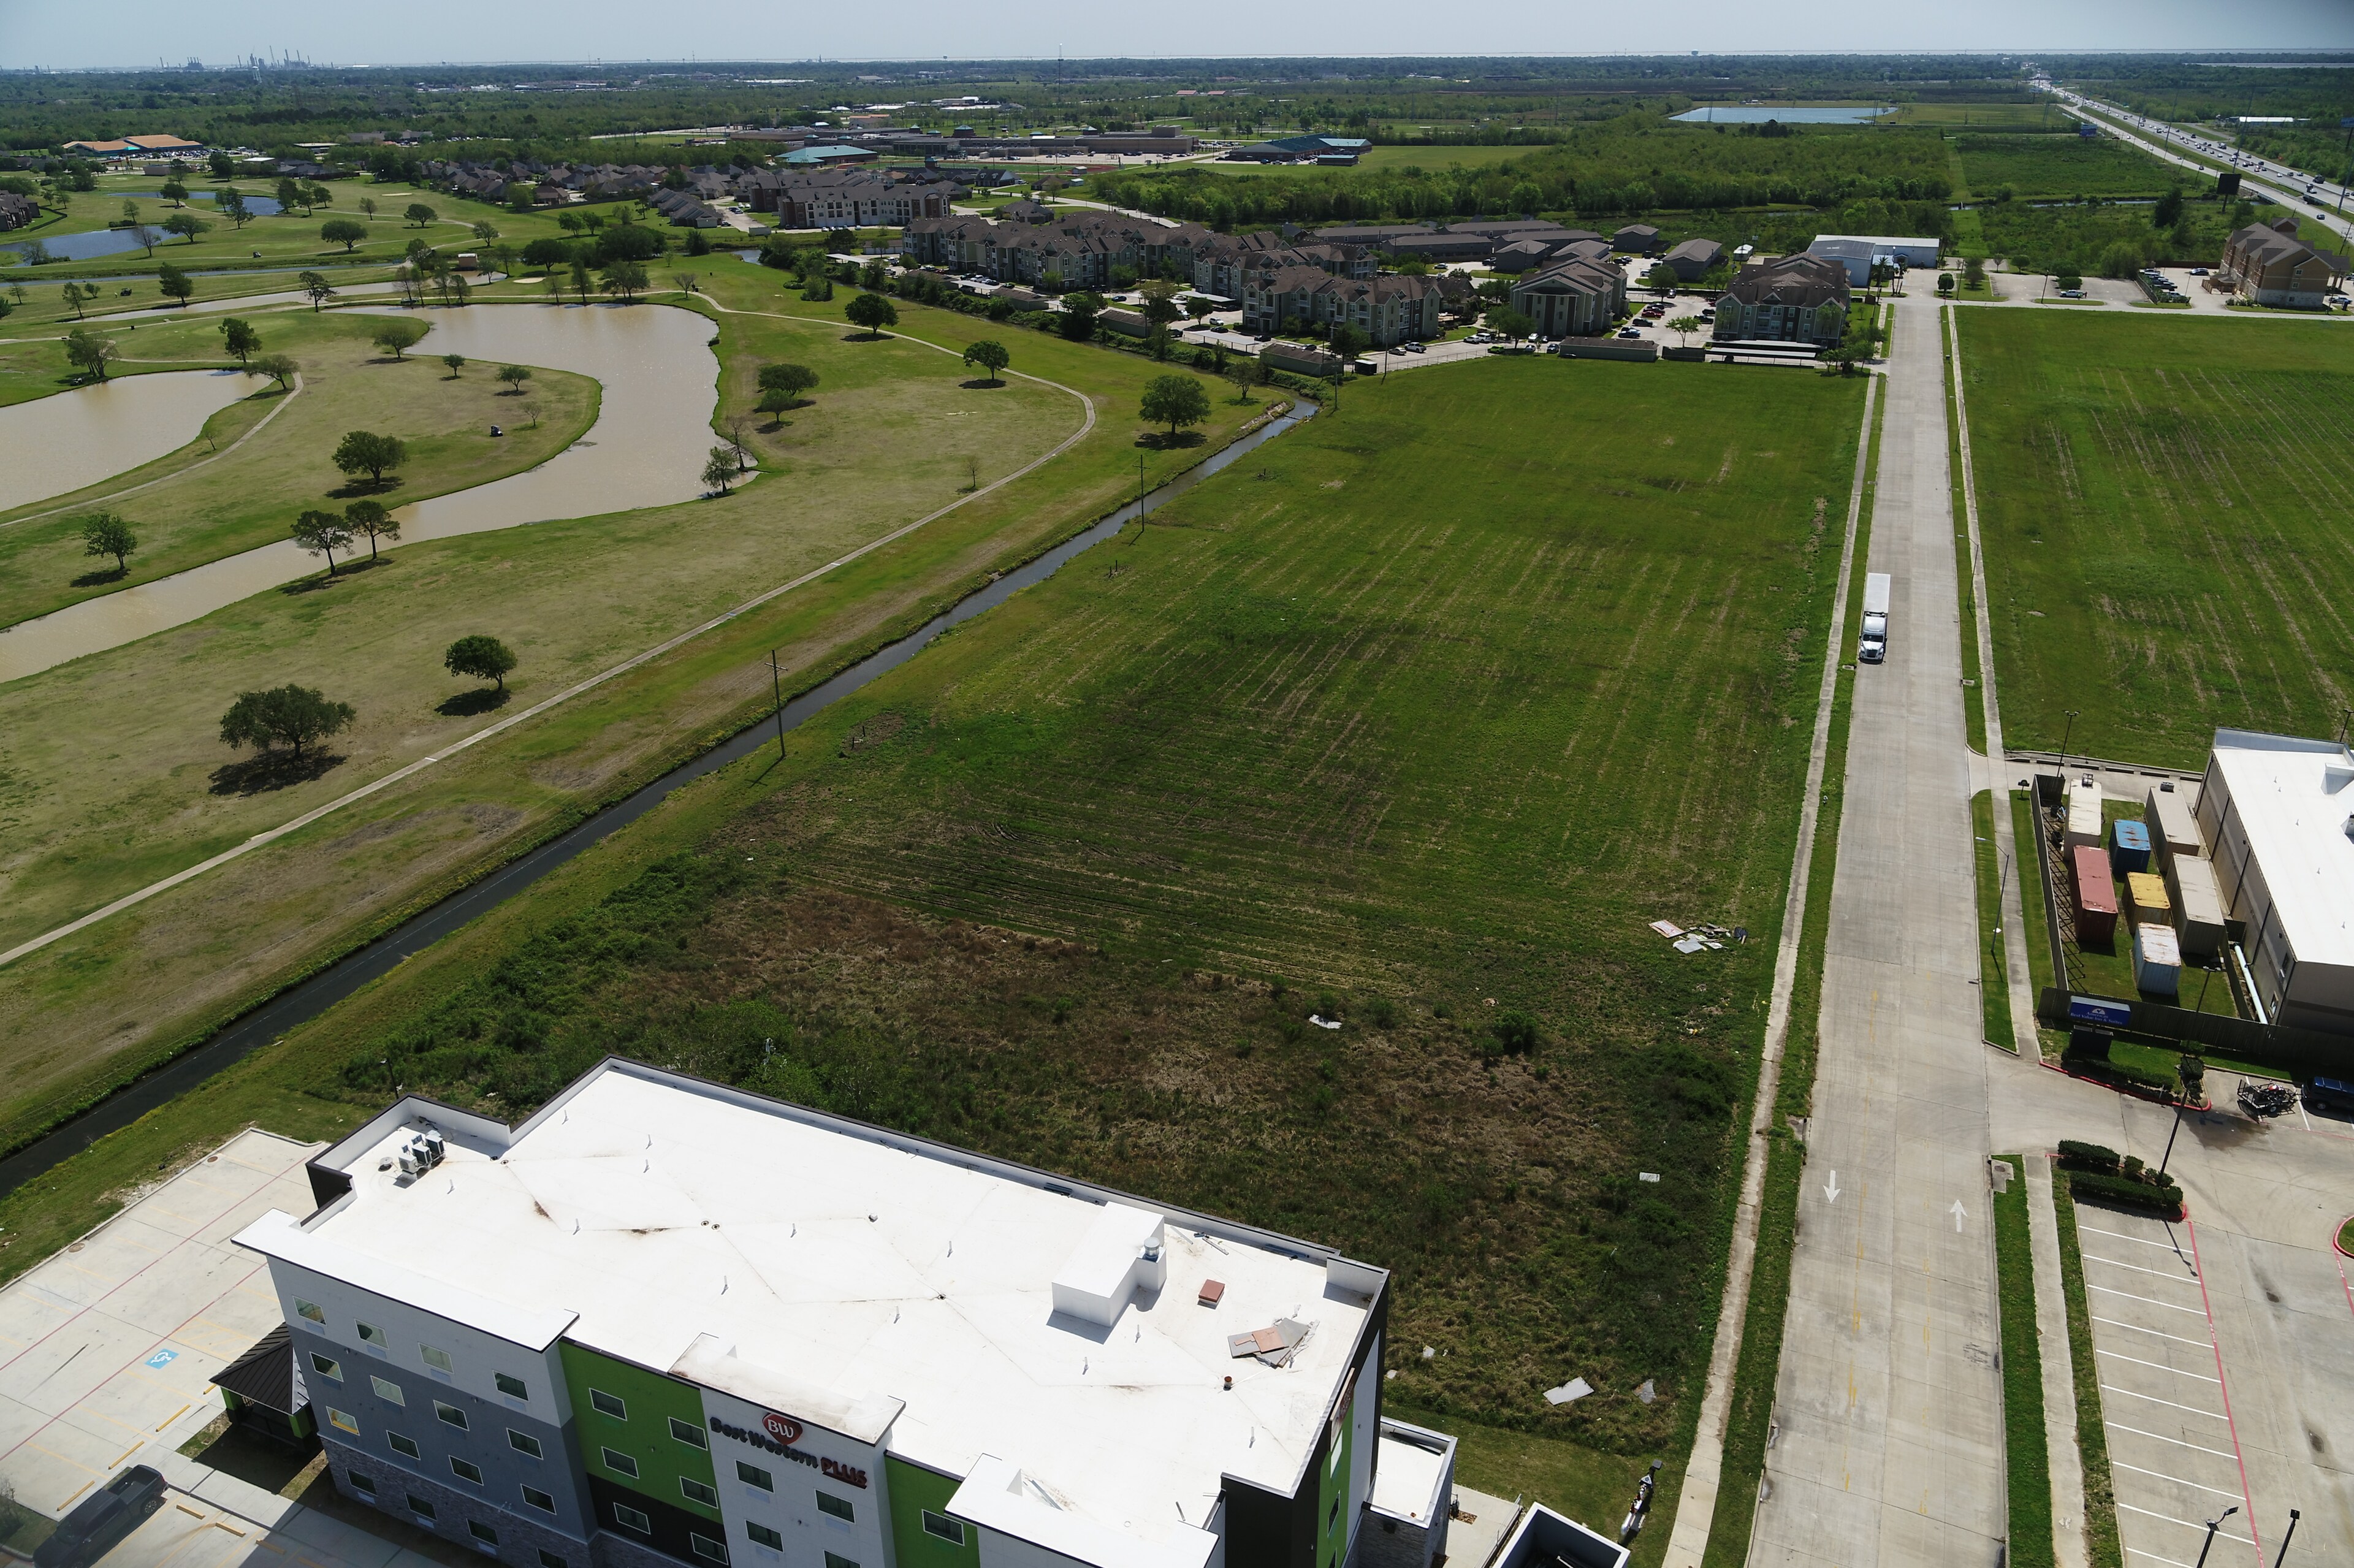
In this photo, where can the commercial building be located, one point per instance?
(664, 1321)
(1694, 259)
(1798, 299)
(2278, 814)
(137, 147)
(1859, 253)
(2270, 266)
(1330, 150)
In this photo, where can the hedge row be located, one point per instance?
(2165, 1201)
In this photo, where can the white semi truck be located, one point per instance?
(1874, 646)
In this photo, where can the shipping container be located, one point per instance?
(2147, 901)
(2084, 824)
(2173, 829)
(2096, 894)
(2198, 906)
(2157, 961)
(2129, 844)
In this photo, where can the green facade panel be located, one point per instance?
(642, 1434)
(913, 1491)
(1334, 1516)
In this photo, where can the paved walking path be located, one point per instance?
(2067, 1545)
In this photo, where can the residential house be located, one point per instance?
(16, 211)
(2270, 266)
(1694, 259)
(1638, 238)
(1579, 296)
(686, 209)
(1795, 299)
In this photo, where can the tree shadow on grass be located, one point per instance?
(981, 386)
(269, 770)
(1162, 441)
(103, 575)
(475, 700)
(360, 487)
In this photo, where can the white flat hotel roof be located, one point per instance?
(660, 1209)
(2293, 798)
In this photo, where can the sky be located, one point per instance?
(40, 33)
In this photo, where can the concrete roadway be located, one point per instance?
(1888, 1405)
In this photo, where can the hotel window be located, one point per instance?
(549, 1560)
(834, 1561)
(706, 1548)
(419, 1506)
(539, 1500)
(361, 1482)
(688, 1432)
(947, 1529)
(753, 1476)
(482, 1532)
(695, 1491)
(608, 1404)
(524, 1443)
(406, 1446)
(308, 1310)
(327, 1366)
(620, 1463)
(386, 1388)
(623, 1514)
(373, 1336)
(465, 1471)
(438, 1359)
(451, 1414)
(763, 1536)
(829, 1504)
(511, 1386)
(340, 1421)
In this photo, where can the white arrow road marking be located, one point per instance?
(1960, 1214)
(1831, 1189)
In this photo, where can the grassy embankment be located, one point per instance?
(1750, 1412)
(1357, 726)
(2101, 1543)
(881, 446)
(2026, 1445)
(1994, 972)
(222, 508)
(2037, 929)
(2160, 498)
(1974, 698)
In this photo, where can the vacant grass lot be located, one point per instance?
(2163, 501)
(1984, 117)
(2043, 166)
(224, 507)
(1417, 716)
(125, 739)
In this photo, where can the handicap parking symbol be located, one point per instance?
(162, 1359)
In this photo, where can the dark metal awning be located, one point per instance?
(266, 1374)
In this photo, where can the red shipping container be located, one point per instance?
(2096, 894)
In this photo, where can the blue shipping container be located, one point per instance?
(2129, 845)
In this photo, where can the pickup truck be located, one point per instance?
(1873, 648)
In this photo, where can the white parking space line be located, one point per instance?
(2173, 1247)
(2178, 1480)
(2220, 1535)
(2157, 1438)
(2129, 1393)
(2148, 1300)
(2137, 1328)
(2154, 1557)
(2161, 1273)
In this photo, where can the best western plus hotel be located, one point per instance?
(667, 1321)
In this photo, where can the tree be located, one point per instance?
(175, 193)
(217, 162)
(186, 225)
(231, 204)
(315, 198)
(129, 211)
(321, 534)
(1347, 342)
(1079, 312)
(484, 657)
(719, 473)
(369, 520)
(173, 283)
(1944, 283)
(104, 534)
(1244, 374)
(363, 451)
(1512, 323)
(625, 278)
(1176, 401)
(2068, 277)
(2168, 211)
(513, 376)
(580, 283)
(290, 715)
(344, 231)
(486, 232)
(1684, 327)
(418, 213)
(145, 235)
(77, 295)
(1661, 277)
(240, 339)
(279, 367)
(783, 385)
(872, 312)
(1974, 272)
(290, 196)
(456, 362)
(991, 356)
(396, 336)
(316, 286)
(1160, 303)
(87, 353)
(1199, 306)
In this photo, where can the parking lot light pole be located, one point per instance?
(2067, 732)
(2293, 1516)
(2213, 1526)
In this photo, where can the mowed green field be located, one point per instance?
(2164, 504)
(2041, 167)
(1417, 715)
(2010, 117)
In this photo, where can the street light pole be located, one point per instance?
(2213, 1526)
(2067, 733)
(2293, 1516)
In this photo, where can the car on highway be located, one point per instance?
(102, 1520)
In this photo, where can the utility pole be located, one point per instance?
(777, 692)
(2064, 735)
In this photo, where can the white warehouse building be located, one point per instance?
(2279, 813)
(667, 1322)
(1859, 252)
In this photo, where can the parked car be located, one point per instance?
(2329, 1094)
(1629, 332)
(102, 1520)
(1411, 347)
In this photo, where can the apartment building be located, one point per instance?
(1388, 309)
(666, 1322)
(1795, 299)
(2270, 266)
